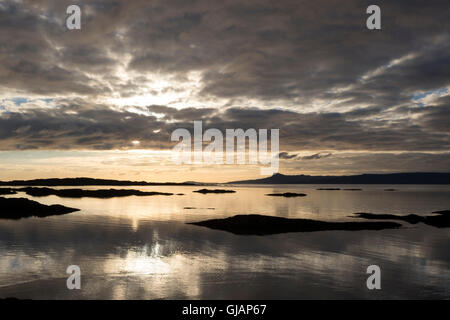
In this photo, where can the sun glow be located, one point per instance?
(157, 89)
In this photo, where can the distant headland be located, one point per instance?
(92, 182)
(278, 178)
(390, 178)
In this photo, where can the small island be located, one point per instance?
(439, 219)
(206, 191)
(6, 191)
(410, 218)
(81, 193)
(266, 225)
(286, 195)
(17, 208)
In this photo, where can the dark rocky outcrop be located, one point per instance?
(80, 193)
(92, 182)
(410, 218)
(206, 191)
(440, 219)
(442, 212)
(17, 208)
(266, 225)
(389, 178)
(6, 191)
(286, 194)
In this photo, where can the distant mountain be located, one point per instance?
(391, 178)
(90, 182)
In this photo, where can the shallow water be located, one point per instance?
(142, 248)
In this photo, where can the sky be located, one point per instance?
(103, 101)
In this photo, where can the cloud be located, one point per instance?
(286, 155)
(317, 156)
(294, 51)
(346, 163)
(138, 70)
(77, 124)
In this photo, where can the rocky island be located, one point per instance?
(17, 208)
(286, 195)
(266, 225)
(81, 193)
(206, 191)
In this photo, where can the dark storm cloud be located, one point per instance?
(292, 53)
(316, 156)
(78, 125)
(29, 59)
(286, 155)
(356, 163)
(76, 128)
(261, 49)
(186, 114)
(437, 118)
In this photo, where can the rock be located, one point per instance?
(80, 193)
(5, 191)
(441, 219)
(206, 191)
(17, 208)
(266, 225)
(411, 218)
(442, 212)
(286, 194)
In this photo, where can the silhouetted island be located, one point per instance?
(265, 225)
(391, 178)
(440, 219)
(17, 208)
(442, 212)
(206, 191)
(286, 194)
(5, 191)
(410, 218)
(92, 182)
(353, 189)
(329, 189)
(80, 193)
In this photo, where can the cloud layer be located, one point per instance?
(137, 70)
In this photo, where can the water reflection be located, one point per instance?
(141, 248)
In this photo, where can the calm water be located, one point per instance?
(142, 248)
